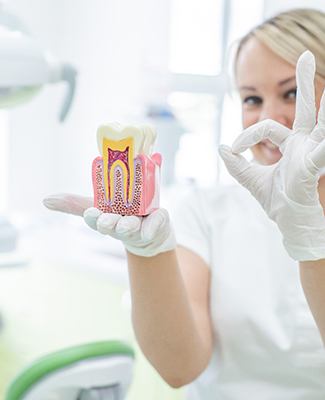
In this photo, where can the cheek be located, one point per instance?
(290, 116)
(318, 98)
(281, 112)
(249, 117)
(319, 88)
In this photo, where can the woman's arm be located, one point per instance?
(170, 313)
(312, 275)
(169, 289)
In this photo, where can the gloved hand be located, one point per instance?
(143, 236)
(287, 190)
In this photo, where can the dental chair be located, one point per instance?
(95, 371)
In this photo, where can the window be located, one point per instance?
(200, 36)
(196, 30)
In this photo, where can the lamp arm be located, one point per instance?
(68, 74)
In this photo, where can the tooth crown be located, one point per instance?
(126, 178)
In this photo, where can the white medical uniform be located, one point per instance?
(267, 346)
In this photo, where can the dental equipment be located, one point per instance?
(25, 68)
(94, 371)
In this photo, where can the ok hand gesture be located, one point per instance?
(287, 190)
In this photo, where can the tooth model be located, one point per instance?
(126, 177)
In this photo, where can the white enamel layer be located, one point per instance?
(144, 136)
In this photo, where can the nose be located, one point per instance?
(274, 111)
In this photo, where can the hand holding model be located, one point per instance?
(287, 190)
(125, 181)
(143, 236)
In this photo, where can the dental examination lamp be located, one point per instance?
(25, 67)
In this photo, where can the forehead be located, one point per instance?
(258, 65)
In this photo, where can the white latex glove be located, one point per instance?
(287, 190)
(143, 236)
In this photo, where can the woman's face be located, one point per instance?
(267, 87)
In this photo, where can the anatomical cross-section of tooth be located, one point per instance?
(126, 177)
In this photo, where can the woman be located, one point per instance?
(225, 311)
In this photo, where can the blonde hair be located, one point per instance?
(289, 34)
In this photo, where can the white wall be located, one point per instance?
(114, 44)
(274, 6)
(4, 134)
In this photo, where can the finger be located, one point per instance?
(267, 129)
(68, 203)
(128, 225)
(106, 223)
(236, 164)
(153, 223)
(317, 156)
(90, 216)
(305, 118)
(318, 134)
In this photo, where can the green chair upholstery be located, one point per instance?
(94, 371)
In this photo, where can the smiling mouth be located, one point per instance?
(269, 145)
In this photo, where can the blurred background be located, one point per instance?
(166, 62)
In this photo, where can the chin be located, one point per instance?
(265, 156)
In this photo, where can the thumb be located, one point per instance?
(68, 203)
(155, 223)
(236, 164)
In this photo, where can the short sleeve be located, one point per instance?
(190, 226)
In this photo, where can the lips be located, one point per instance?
(269, 145)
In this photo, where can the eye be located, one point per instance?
(291, 94)
(252, 100)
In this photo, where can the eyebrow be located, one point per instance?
(281, 83)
